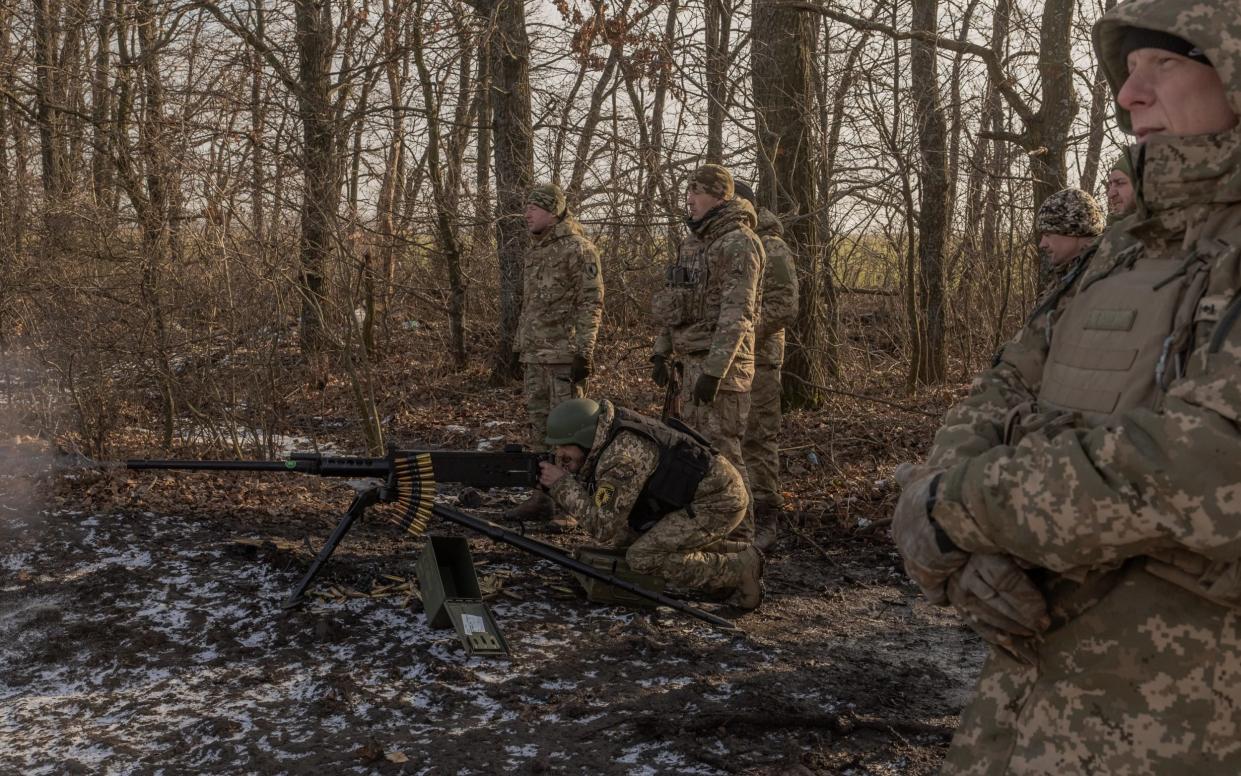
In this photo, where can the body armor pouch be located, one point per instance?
(684, 459)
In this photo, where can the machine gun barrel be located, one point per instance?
(409, 481)
(508, 469)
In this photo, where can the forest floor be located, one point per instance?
(141, 627)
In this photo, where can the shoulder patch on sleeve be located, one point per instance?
(604, 495)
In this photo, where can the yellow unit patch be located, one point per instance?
(604, 495)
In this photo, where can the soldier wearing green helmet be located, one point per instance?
(659, 491)
(1081, 508)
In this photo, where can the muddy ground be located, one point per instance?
(141, 629)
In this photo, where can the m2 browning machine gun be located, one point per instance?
(407, 498)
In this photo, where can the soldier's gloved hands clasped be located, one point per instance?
(999, 602)
(659, 372)
(580, 369)
(706, 388)
(930, 557)
(994, 589)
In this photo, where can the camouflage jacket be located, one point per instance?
(779, 292)
(562, 297)
(602, 494)
(710, 303)
(1123, 500)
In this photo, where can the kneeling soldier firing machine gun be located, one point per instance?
(659, 491)
(406, 497)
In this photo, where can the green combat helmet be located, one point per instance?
(573, 422)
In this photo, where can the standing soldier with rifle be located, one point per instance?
(708, 309)
(657, 489)
(562, 304)
(761, 445)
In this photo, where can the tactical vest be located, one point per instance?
(1127, 334)
(684, 458)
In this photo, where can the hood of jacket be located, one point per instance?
(1178, 179)
(723, 218)
(768, 224)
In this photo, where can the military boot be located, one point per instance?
(749, 591)
(767, 520)
(538, 507)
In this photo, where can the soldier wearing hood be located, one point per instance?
(1082, 507)
(1119, 184)
(708, 309)
(779, 310)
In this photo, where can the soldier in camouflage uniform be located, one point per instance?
(1120, 193)
(1068, 223)
(656, 489)
(1082, 507)
(562, 304)
(761, 446)
(708, 309)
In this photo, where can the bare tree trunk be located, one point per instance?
(1047, 137)
(321, 187)
(49, 96)
(257, 116)
(484, 233)
(1100, 103)
(443, 218)
(719, 25)
(784, 50)
(102, 183)
(927, 359)
(509, 59)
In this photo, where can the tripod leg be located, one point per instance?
(360, 502)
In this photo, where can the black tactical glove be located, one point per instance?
(705, 389)
(659, 373)
(580, 369)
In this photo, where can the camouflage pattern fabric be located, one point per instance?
(543, 387)
(1129, 520)
(686, 547)
(1053, 277)
(760, 444)
(723, 421)
(548, 196)
(1071, 212)
(710, 303)
(714, 180)
(1122, 164)
(780, 291)
(562, 297)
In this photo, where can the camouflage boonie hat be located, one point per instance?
(714, 180)
(1071, 212)
(548, 196)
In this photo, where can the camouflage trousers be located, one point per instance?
(545, 386)
(1147, 680)
(722, 422)
(761, 446)
(688, 548)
